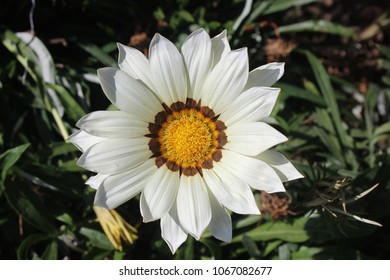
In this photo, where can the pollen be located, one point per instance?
(188, 138)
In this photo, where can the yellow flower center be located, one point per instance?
(188, 138)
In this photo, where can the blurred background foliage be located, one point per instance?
(334, 108)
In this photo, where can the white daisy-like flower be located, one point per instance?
(188, 136)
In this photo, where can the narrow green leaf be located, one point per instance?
(294, 91)
(23, 252)
(324, 84)
(10, 157)
(99, 54)
(384, 63)
(159, 14)
(383, 129)
(186, 16)
(247, 221)
(306, 253)
(372, 96)
(385, 50)
(386, 80)
(57, 149)
(97, 238)
(27, 204)
(325, 129)
(65, 218)
(51, 251)
(369, 105)
(251, 246)
(330, 141)
(271, 246)
(214, 248)
(119, 255)
(71, 106)
(294, 232)
(189, 249)
(23, 54)
(275, 6)
(322, 26)
(327, 91)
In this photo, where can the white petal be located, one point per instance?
(226, 81)
(230, 191)
(160, 193)
(145, 211)
(171, 231)
(83, 141)
(168, 70)
(129, 94)
(256, 173)
(135, 63)
(119, 188)
(252, 105)
(197, 55)
(95, 181)
(220, 47)
(112, 124)
(284, 168)
(193, 205)
(252, 138)
(265, 76)
(221, 223)
(114, 156)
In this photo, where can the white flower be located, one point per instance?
(188, 136)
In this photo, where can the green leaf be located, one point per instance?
(97, 254)
(27, 204)
(294, 91)
(99, 54)
(327, 91)
(24, 247)
(386, 80)
(9, 158)
(51, 251)
(97, 238)
(214, 248)
(274, 6)
(54, 179)
(23, 54)
(370, 103)
(244, 222)
(189, 249)
(294, 232)
(329, 140)
(71, 106)
(271, 246)
(325, 129)
(384, 63)
(324, 84)
(159, 14)
(385, 50)
(65, 218)
(383, 129)
(119, 255)
(322, 26)
(186, 16)
(251, 247)
(306, 253)
(57, 149)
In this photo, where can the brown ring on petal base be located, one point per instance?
(187, 137)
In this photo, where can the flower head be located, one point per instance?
(188, 136)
